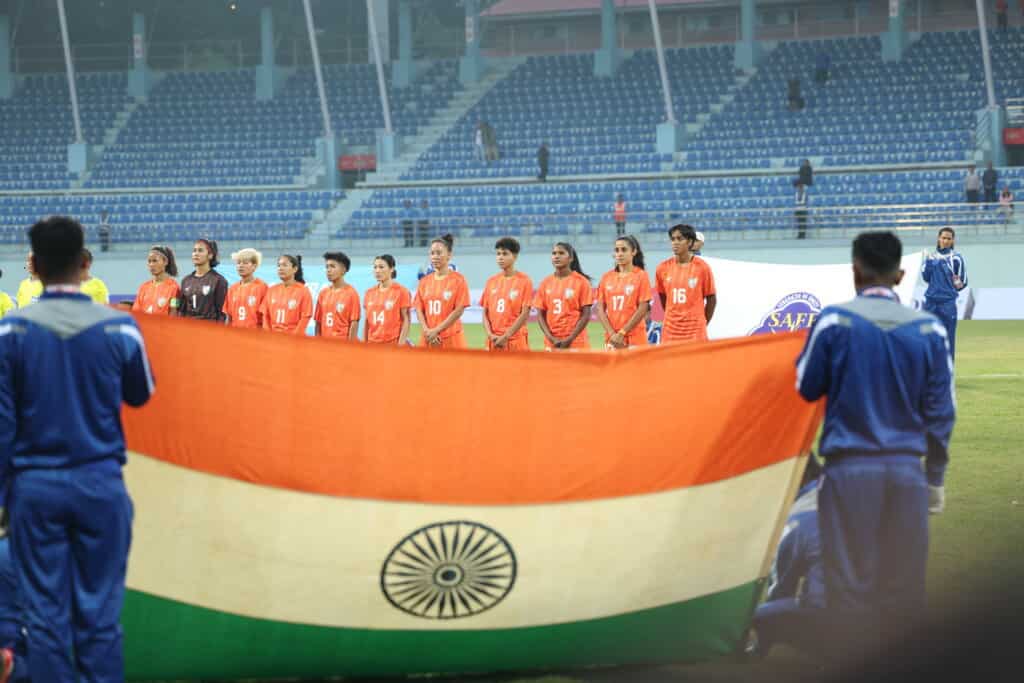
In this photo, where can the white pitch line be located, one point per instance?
(994, 375)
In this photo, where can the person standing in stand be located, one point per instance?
(543, 157)
(620, 215)
(204, 290)
(686, 287)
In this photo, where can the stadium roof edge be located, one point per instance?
(507, 10)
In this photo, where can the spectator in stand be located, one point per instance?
(1006, 203)
(989, 182)
(972, 185)
(490, 142)
(104, 231)
(796, 100)
(1002, 16)
(821, 68)
(620, 215)
(804, 179)
(408, 223)
(478, 142)
(423, 223)
(543, 156)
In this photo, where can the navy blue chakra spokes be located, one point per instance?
(449, 570)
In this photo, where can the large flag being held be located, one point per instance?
(309, 509)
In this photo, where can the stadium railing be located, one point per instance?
(828, 222)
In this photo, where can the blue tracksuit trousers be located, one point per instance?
(873, 512)
(945, 311)
(70, 534)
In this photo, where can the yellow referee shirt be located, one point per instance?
(29, 292)
(6, 305)
(96, 290)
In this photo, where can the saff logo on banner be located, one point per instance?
(797, 311)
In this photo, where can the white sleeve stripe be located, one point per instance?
(134, 333)
(801, 367)
(5, 329)
(940, 330)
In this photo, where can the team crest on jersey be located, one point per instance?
(339, 307)
(251, 301)
(629, 289)
(292, 304)
(693, 282)
(447, 295)
(569, 293)
(206, 289)
(161, 302)
(389, 305)
(514, 294)
(796, 311)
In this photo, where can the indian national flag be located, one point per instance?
(307, 508)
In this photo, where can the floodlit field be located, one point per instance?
(975, 543)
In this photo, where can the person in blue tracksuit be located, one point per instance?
(886, 372)
(12, 636)
(945, 271)
(66, 365)
(796, 591)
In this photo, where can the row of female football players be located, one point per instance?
(563, 300)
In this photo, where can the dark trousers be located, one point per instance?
(543, 175)
(945, 311)
(1002, 20)
(973, 196)
(801, 224)
(70, 534)
(422, 232)
(785, 621)
(407, 233)
(991, 196)
(620, 228)
(873, 512)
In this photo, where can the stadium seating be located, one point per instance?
(207, 129)
(166, 217)
(592, 125)
(36, 127)
(921, 109)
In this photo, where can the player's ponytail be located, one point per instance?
(638, 253)
(390, 260)
(447, 239)
(574, 259)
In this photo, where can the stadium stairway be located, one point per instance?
(336, 216)
(694, 129)
(443, 120)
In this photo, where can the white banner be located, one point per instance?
(775, 297)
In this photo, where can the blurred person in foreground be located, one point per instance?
(885, 371)
(66, 366)
(796, 589)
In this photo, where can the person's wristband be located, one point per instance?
(621, 332)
